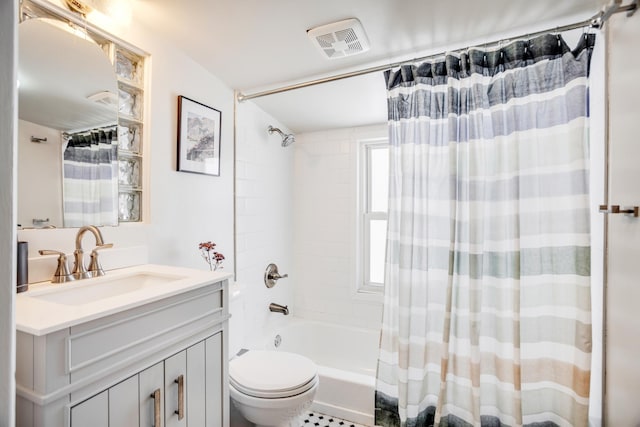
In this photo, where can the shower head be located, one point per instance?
(287, 138)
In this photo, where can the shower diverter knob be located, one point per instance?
(271, 276)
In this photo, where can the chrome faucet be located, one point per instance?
(277, 308)
(95, 269)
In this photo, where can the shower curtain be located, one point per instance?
(486, 318)
(90, 178)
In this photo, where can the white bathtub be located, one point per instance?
(346, 359)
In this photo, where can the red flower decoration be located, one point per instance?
(213, 258)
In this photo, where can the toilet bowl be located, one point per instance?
(271, 388)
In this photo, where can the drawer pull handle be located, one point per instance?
(157, 420)
(180, 411)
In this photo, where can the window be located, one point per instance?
(374, 191)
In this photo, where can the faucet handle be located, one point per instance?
(62, 270)
(271, 276)
(94, 266)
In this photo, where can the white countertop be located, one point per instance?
(48, 307)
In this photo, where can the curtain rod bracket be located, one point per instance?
(615, 6)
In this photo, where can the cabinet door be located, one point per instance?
(175, 387)
(123, 403)
(93, 412)
(214, 380)
(151, 399)
(196, 407)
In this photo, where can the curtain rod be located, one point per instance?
(597, 21)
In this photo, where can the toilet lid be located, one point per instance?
(272, 374)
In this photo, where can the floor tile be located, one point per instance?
(316, 419)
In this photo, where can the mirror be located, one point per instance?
(68, 108)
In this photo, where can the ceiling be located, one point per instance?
(253, 45)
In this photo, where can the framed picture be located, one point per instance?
(198, 137)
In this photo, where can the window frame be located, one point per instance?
(365, 216)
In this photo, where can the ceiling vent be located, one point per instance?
(340, 39)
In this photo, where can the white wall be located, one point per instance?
(8, 158)
(325, 201)
(264, 218)
(185, 209)
(623, 321)
(40, 175)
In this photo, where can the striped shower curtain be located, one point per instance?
(487, 297)
(90, 178)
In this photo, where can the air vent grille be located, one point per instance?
(326, 40)
(340, 39)
(347, 35)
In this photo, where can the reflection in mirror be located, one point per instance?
(67, 153)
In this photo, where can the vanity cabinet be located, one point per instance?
(94, 410)
(163, 363)
(172, 393)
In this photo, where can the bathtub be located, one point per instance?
(346, 359)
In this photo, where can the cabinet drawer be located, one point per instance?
(115, 340)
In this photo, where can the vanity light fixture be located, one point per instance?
(78, 6)
(96, 11)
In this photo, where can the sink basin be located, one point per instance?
(49, 307)
(92, 290)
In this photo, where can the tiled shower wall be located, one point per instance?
(325, 199)
(263, 220)
(296, 207)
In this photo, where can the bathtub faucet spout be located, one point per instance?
(277, 308)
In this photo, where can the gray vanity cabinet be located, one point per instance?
(151, 384)
(161, 364)
(175, 382)
(123, 404)
(111, 407)
(156, 392)
(93, 411)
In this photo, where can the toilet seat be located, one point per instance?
(274, 394)
(272, 374)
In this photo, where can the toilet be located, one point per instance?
(268, 388)
(272, 388)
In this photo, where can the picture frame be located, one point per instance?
(199, 130)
